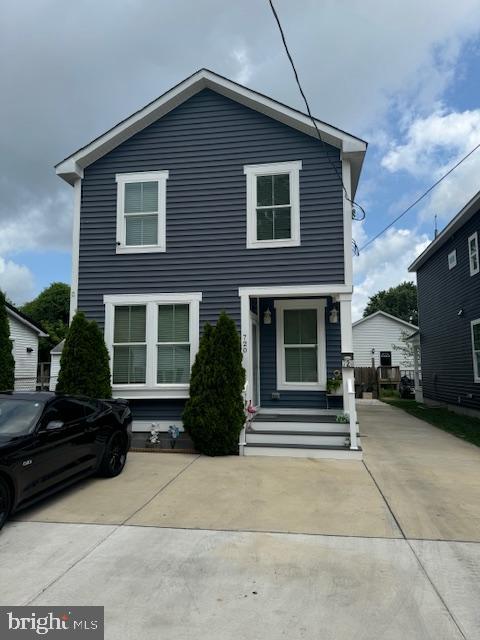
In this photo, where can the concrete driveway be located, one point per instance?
(187, 547)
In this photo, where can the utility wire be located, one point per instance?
(421, 197)
(352, 202)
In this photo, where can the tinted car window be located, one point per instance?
(18, 417)
(66, 409)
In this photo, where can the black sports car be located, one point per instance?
(48, 441)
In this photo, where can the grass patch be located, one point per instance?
(464, 427)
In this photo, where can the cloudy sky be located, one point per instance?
(403, 75)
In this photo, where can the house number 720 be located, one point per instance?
(244, 343)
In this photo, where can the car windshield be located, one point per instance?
(18, 417)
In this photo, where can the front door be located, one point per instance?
(255, 362)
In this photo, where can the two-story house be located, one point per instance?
(215, 197)
(448, 281)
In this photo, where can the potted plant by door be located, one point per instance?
(334, 384)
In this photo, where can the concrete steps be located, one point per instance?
(299, 435)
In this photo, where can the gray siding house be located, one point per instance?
(215, 197)
(448, 280)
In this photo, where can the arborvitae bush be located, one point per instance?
(7, 363)
(214, 414)
(84, 364)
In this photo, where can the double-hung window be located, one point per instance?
(141, 208)
(273, 205)
(152, 340)
(300, 344)
(473, 253)
(476, 349)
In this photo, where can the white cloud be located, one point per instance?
(385, 264)
(245, 71)
(16, 281)
(433, 145)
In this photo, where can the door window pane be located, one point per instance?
(300, 326)
(301, 364)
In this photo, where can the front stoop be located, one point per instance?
(300, 436)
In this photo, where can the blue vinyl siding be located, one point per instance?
(204, 144)
(446, 344)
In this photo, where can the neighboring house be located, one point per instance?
(216, 197)
(24, 334)
(55, 355)
(448, 281)
(375, 338)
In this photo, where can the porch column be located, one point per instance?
(246, 357)
(348, 372)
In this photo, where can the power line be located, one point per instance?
(352, 202)
(421, 197)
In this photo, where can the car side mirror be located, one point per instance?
(54, 424)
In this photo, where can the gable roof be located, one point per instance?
(463, 216)
(25, 320)
(386, 315)
(353, 148)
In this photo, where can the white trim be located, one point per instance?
(476, 372)
(286, 411)
(25, 322)
(72, 167)
(386, 315)
(77, 200)
(473, 270)
(319, 306)
(296, 290)
(151, 389)
(347, 222)
(452, 259)
(160, 177)
(469, 210)
(252, 171)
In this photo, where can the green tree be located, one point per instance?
(7, 363)
(50, 309)
(84, 364)
(399, 301)
(214, 414)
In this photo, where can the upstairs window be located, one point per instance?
(141, 201)
(452, 259)
(473, 253)
(273, 205)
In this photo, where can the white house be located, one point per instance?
(24, 334)
(376, 336)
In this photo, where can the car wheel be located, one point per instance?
(115, 455)
(5, 502)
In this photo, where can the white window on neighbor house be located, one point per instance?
(473, 253)
(476, 349)
(300, 329)
(273, 205)
(452, 259)
(153, 340)
(141, 211)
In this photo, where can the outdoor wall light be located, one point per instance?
(460, 313)
(333, 315)
(29, 350)
(267, 316)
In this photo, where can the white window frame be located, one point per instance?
(160, 177)
(452, 259)
(476, 372)
(252, 171)
(282, 384)
(473, 270)
(151, 388)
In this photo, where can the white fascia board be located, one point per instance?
(296, 290)
(26, 323)
(72, 167)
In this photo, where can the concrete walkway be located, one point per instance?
(190, 547)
